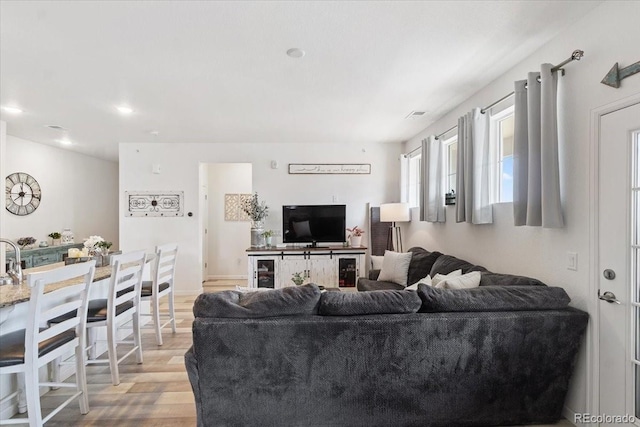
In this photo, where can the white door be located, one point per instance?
(204, 217)
(619, 267)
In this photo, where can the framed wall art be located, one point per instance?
(155, 203)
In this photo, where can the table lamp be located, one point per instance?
(393, 213)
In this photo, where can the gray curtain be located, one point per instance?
(432, 191)
(473, 199)
(536, 172)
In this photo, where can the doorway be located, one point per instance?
(225, 234)
(617, 376)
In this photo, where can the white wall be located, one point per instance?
(227, 240)
(608, 35)
(180, 171)
(78, 192)
(3, 146)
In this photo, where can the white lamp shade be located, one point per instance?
(395, 212)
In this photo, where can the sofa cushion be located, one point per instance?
(498, 279)
(288, 301)
(463, 281)
(365, 284)
(493, 298)
(421, 264)
(379, 302)
(395, 267)
(445, 264)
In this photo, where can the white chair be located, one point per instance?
(161, 284)
(121, 306)
(23, 352)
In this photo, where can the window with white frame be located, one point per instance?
(414, 179)
(450, 163)
(501, 134)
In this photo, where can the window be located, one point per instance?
(414, 179)
(450, 163)
(501, 131)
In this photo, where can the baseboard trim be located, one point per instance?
(227, 277)
(570, 415)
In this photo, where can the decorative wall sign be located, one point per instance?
(330, 168)
(616, 74)
(155, 203)
(233, 207)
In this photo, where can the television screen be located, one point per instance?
(313, 223)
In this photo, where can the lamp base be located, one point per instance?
(394, 238)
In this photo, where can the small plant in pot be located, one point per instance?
(55, 238)
(355, 236)
(25, 242)
(268, 237)
(297, 278)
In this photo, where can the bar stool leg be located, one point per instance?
(91, 340)
(32, 389)
(54, 371)
(112, 352)
(81, 380)
(137, 339)
(172, 312)
(22, 397)
(155, 306)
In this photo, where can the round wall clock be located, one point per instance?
(23, 193)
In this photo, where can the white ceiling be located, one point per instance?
(202, 71)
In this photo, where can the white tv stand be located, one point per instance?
(331, 267)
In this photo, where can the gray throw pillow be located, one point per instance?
(445, 264)
(290, 301)
(374, 302)
(421, 263)
(493, 298)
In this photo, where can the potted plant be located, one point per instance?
(256, 211)
(268, 237)
(355, 236)
(24, 242)
(55, 238)
(297, 278)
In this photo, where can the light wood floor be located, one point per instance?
(156, 393)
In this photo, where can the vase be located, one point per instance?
(257, 239)
(268, 241)
(356, 241)
(55, 242)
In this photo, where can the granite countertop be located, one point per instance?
(11, 295)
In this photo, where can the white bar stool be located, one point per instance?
(23, 352)
(161, 284)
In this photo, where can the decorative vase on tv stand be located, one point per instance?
(356, 241)
(257, 239)
(66, 237)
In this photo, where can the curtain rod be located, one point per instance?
(575, 56)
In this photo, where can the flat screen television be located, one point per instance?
(313, 223)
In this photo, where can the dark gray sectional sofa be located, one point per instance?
(424, 262)
(494, 355)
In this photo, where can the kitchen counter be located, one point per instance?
(11, 295)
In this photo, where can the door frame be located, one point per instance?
(593, 337)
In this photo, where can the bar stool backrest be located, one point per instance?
(46, 306)
(126, 280)
(165, 264)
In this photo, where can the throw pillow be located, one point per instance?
(376, 262)
(445, 264)
(426, 280)
(440, 277)
(395, 267)
(378, 302)
(465, 281)
(288, 301)
(421, 263)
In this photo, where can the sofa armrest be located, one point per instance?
(373, 274)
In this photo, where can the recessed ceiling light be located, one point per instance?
(295, 52)
(12, 109)
(123, 109)
(64, 141)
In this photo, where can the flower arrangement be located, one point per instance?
(355, 231)
(256, 210)
(92, 242)
(23, 242)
